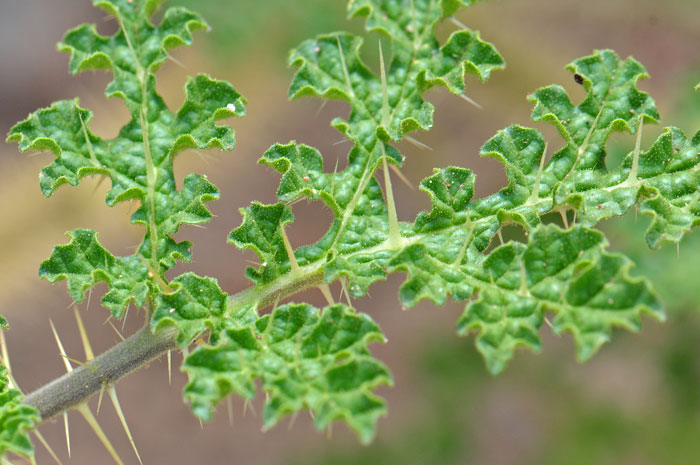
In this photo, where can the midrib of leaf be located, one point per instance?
(91, 151)
(151, 172)
(414, 51)
(378, 120)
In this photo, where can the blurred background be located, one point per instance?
(637, 402)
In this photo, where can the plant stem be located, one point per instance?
(75, 387)
(78, 385)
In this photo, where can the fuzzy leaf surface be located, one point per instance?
(194, 306)
(139, 160)
(83, 262)
(445, 252)
(613, 103)
(305, 359)
(382, 108)
(565, 272)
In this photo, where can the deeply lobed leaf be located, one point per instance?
(445, 252)
(305, 359)
(139, 161)
(84, 262)
(566, 272)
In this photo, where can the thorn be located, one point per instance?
(335, 173)
(201, 425)
(176, 61)
(564, 219)
(341, 141)
(229, 407)
(76, 361)
(293, 202)
(457, 22)
(201, 155)
(47, 447)
(89, 354)
(87, 305)
(471, 100)
(418, 143)
(115, 329)
(549, 323)
(632, 178)
(573, 222)
(92, 421)
(401, 176)
(535, 196)
(120, 414)
(386, 115)
(320, 108)
(344, 288)
(65, 425)
(99, 399)
(170, 367)
(61, 350)
(345, 68)
(290, 252)
(678, 250)
(126, 314)
(326, 291)
(523, 279)
(246, 405)
(99, 183)
(394, 232)
(500, 235)
(293, 420)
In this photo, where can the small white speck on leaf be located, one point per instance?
(231, 107)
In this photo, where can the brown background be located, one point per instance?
(511, 419)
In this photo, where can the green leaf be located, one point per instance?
(613, 103)
(305, 358)
(139, 160)
(383, 108)
(83, 263)
(193, 307)
(566, 272)
(135, 52)
(353, 195)
(262, 232)
(670, 186)
(330, 66)
(390, 105)
(17, 420)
